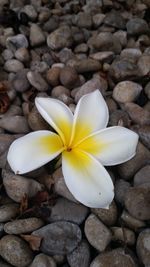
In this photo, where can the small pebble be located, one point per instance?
(53, 75)
(126, 91)
(80, 256)
(62, 37)
(107, 216)
(36, 122)
(20, 82)
(121, 187)
(15, 124)
(42, 260)
(30, 11)
(22, 54)
(142, 176)
(15, 42)
(137, 26)
(8, 212)
(143, 247)
(37, 81)
(37, 36)
(13, 65)
(98, 235)
(131, 222)
(68, 77)
(138, 114)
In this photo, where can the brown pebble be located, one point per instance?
(52, 76)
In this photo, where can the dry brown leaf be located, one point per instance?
(33, 240)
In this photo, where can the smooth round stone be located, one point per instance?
(68, 77)
(124, 235)
(42, 260)
(37, 81)
(144, 64)
(137, 26)
(84, 20)
(66, 210)
(23, 226)
(60, 38)
(37, 36)
(59, 90)
(107, 216)
(35, 120)
(13, 65)
(20, 82)
(8, 212)
(115, 258)
(98, 235)
(144, 132)
(15, 42)
(118, 116)
(15, 251)
(7, 54)
(138, 114)
(59, 237)
(53, 75)
(131, 221)
(126, 91)
(18, 186)
(143, 247)
(80, 256)
(131, 53)
(114, 19)
(98, 19)
(142, 176)
(147, 90)
(137, 202)
(121, 187)
(30, 11)
(22, 54)
(15, 124)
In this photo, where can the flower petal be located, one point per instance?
(111, 146)
(87, 179)
(91, 115)
(33, 151)
(57, 114)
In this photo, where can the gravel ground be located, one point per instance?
(66, 49)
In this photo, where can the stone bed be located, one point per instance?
(65, 49)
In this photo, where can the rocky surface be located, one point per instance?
(65, 49)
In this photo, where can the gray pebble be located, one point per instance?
(8, 212)
(115, 258)
(114, 19)
(37, 36)
(119, 116)
(142, 176)
(98, 19)
(137, 202)
(15, 42)
(138, 114)
(15, 251)
(23, 226)
(36, 80)
(39, 66)
(35, 120)
(137, 26)
(18, 186)
(42, 260)
(121, 187)
(144, 133)
(98, 235)
(143, 247)
(20, 82)
(133, 54)
(126, 91)
(7, 54)
(15, 124)
(59, 237)
(62, 37)
(131, 222)
(30, 11)
(66, 210)
(105, 56)
(80, 256)
(128, 169)
(84, 20)
(13, 65)
(144, 64)
(107, 216)
(68, 77)
(123, 234)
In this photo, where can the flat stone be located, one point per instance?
(98, 235)
(42, 260)
(13, 65)
(66, 210)
(143, 247)
(59, 237)
(8, 212)
(86, 65)
(137, 26)
(144, 64)
(23, 226)
(15, 251)
(126, 91)
(37, 81)
(80, 256)
(105, 56)
(15, 124)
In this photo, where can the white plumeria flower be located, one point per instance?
(85, 143)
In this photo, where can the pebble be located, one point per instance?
(81, 48)
(80, 256)
(18, 186)
(60, 187)
(5, 141)
(90, 86)
(4, 264)
(144, 133)
(8, 212)
(137, 202)
(123, 234)
(42, 260)
(114, 19)
(142, 176)
(13, 43)
(51, 24)
(86, 65)
(131, 222)
(98, 19)
(84, 20)
(15, 124)
(7, 54)
(147, 90)
(121, 188)
(37, 81)
(13, 65)
(65, 210)
(115, 258)
(133, 54)
(39, 66)
(138, 114)
(60, 90)
(20, 82)
(59, 237)
(107, 216)
(137, 26)
(23, 226)
(1, 229)
(15, 251)
(98, 235)
(128, 169)
(123, 69)
(112, 106)
(37, 36)
(68, 77)
(143, 247)
(144, 65)
(126, 91)
(53, 75)
(119, 116)
(60, 38)
(22, 54)
(105, 56)
(36, 122)
(30, 11)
